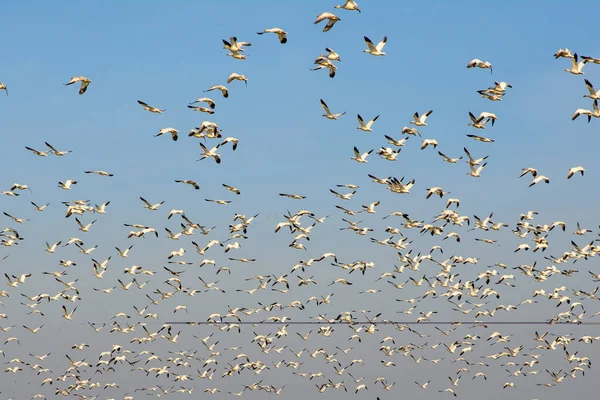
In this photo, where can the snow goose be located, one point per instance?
(591, 59)
(101, 173)
(332, 55)
(292, 196)
(66, 185)
(429, 142)
(234, 46)
(482, 139)
(3, 87)
(281, 34)
(375, 50)
(231, 139)
(594, 95)
(56, 152)
(529, 170)
(331, 20)
(566, 53)
(206, 100)
(323, 63)
(223, 89)
(346, 196)
(85, 82)
(576, 66)
(399, 143)
(595, 113)
(151, 207)
(37, 153)
(201, 109)
(349, 5)
(472, 161)
(538, 179)
(40, 208)
(477, 123)
(232, 189)
(361, 158)
(410, 131)
(420, 120)
(172, 131)
(150, 108)
(210, 153)
(193, 184)
(574, 170)
(448, 159)
(475, 172)
(479, 64)
(365, 127)
(238, 77)
(328, 114)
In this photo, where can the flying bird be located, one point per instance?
(85, 82)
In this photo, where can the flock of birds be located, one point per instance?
(332, 352)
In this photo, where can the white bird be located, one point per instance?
(375, 50)
(476, 172)
(566, 53)
(574, 170)
(479, 64)
(3, 87)
(206, 100)
(52, 248)
(332, 55)
(281, 34)
(349, 5)
(56, 152)
(594, 95)
(429, 142)
(538, 179)
(448, 159)
(420, 120)
(331, 20)
(238, 77)
(150, 108)
(193, 184)
(85, 82)
(40, 208)
(576, 66)
(328, 113)
(292, 196)
(231, 139)
(346, 196)
(210, 153)
(124, 253)
(36, 152)
(361, 158)
(172, 131)
(223, 89)
(84, 228)
(580, 111)
(66, 185)
(366, 127)
(152, 207)
(101, 173)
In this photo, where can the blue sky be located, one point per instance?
(167, 53)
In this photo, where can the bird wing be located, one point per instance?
(372, 48)
(325, 107)
(590, 87)
(381, 44)
(360, 121)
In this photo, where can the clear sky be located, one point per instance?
(166, 54)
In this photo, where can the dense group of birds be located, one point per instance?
(291, 341)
